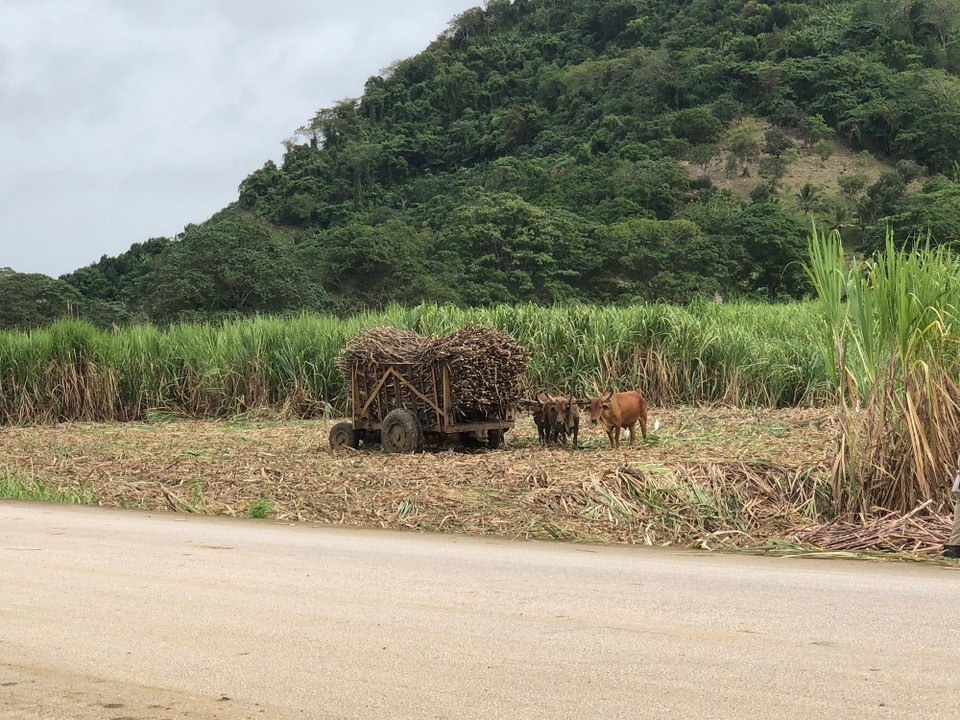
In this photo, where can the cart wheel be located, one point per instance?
(494, 439)
(401, 432)
(343, 435)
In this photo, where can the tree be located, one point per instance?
(774, 244)
(667, 260)
(926, 118)
(932, 213)
(908, 170)
(491, 166)
(369, 266)
(838, 217)
(228, 265)
(773, 168)
(852, 185)
(883, 198)
(814, 128)
(894, 16)
(117, 279)
(777, 142)
(31, 300)
(520, 125)
(334, 126)
(744, 142)
(698, 125)
(703, 154)
(824, 149)
(731, 165)
(809, 198)
(944, 15)
(508, 250)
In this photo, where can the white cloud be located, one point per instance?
(121, 121)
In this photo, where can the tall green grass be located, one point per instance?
(19, 488)
(895, 357)
(743, 354)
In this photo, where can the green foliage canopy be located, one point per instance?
(540, 150)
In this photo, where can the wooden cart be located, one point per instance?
(404, 406)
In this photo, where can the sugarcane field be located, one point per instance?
(445, 432)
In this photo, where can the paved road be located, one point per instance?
(131, 615)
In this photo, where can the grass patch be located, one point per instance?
(261, 508)
(14, 487)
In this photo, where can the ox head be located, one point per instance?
(542, 412)
(565, 410)
(598, 405)
(557, 412)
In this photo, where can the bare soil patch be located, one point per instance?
(715, 477)
(808, 168)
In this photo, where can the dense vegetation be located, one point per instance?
(881, 340)
(894, 323)
(739, 353)
(554, 150)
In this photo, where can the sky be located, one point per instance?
(123, 120)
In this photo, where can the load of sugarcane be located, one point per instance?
(485, 367)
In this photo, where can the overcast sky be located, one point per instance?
(122, 120)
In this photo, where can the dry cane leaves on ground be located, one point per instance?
(710, 478)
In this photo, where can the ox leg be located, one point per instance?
(576, 430)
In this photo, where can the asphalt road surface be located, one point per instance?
(129, 615)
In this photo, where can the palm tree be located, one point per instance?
(809, 198)
(838, 216)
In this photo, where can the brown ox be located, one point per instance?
(557, 417)
(619, 410)
(541, 416)
(564, 419)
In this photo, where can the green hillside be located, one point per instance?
(611, 151)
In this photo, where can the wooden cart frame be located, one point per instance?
(403, 406)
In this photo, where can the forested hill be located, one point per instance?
(603, 150)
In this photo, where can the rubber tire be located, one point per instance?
(343, 435)
(494, 439)
(401, 432)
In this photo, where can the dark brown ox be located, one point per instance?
(541, 417)
(564, 419)
(556, 418)
(615, 411)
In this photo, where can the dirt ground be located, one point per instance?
(36, 693)
(704, 476)
(808, 168)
